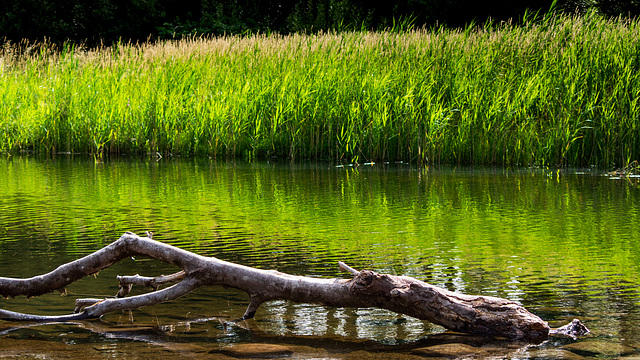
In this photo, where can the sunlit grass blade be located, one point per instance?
(555, 91)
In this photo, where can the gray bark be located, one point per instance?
(481, 315)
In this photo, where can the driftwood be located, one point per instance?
(481, 315)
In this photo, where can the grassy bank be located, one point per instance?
(561, 91)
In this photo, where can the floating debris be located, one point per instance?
(631, 170)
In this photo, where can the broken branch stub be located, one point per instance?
(481, 315)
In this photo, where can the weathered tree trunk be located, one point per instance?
(483, 315)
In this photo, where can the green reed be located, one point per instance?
(559, 91)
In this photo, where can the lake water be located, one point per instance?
(563, 243)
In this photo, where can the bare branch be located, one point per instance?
(173, 292)
(128, 245)
(83, 303)
(16, 316)
(153, 282)
(254, 303)
(347, 268)
(483, 315)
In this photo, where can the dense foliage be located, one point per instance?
(110, 20)
(563, 90)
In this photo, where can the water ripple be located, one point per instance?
(564, 246)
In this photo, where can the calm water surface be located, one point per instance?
(565, 244)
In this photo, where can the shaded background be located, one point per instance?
(106, 21)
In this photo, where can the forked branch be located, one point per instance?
(482, 315)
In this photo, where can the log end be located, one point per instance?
(573, 330)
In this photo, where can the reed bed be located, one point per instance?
(560, 91)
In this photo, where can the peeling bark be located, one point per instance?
(481, 315)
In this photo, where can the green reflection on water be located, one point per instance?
(562, 243)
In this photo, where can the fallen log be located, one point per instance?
(480, 315)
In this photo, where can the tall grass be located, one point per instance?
(562, 91)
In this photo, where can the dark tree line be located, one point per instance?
(94, 21)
